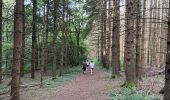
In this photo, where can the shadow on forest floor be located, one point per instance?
(149, 87)
(30, 88)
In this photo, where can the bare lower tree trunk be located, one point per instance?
(23, 44)
(108, 35)
(138, 40)
(167, 67)
(149, 58)
(63, 39)
(116, 39)
(162, 39)
(154, 40)
(98, 48)
(7, 40)
(102, 39)
(130, 50)
(34, 42)
(67, 32)
(143, 35)
(56, 3)
(45, 65)
(0, 41)
(104, 36)
(39, 47)
(18, 31)
(78, 39)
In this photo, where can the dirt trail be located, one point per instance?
(85, 87)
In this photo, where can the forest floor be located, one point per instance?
(99, 86)
(78, 86)
(86, 87)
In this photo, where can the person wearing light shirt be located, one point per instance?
(91, 67)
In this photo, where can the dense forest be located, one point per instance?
(42, 40)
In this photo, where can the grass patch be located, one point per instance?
(132, 94)
(68, 75)
(130, 85)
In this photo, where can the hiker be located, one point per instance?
(87, 64)
(84, 67)
(91, 67)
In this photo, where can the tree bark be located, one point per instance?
(23, 44)
(153, 39)
(143, 35)
(78, 38)
(18, 31)
(45, 65)
(130, 50)
(63, 39)
(108, 34)
(0, 41)
(102, 39)
(116, 39)
(138, 40)
(34, 42)
(7, 40)
(56, 3)
(104, 36)
(167, 67)
(149, 57)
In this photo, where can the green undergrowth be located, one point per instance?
(68, 75)
(130, 85)
(132, 94)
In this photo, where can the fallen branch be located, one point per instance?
(32, 85)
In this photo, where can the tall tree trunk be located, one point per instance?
(45, 65)
(167, 67)
(108, 36)
(162, 39)
(143, 35)
(104, 36)
(23, 44)
(56, 3)
(102, 39)
(7, 40)
(149, 59)
(42, 49)
(154, 40)
(138, 40)
(34, 42)
(158, 35)
(116, 39)
(78, 37)
(78, 44)
(63, 41)
(0, 41)
(98, 48)
(18, 31)
(130, 50)
(39, 46)
(67, 32)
